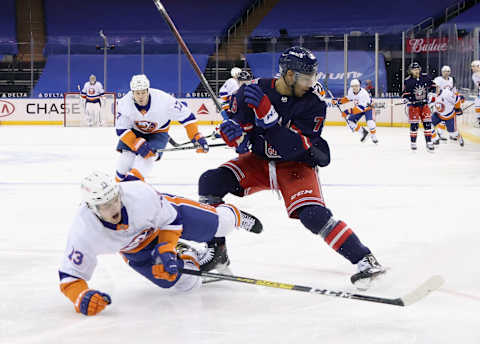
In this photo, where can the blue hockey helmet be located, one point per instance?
(298, 59)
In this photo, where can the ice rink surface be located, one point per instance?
(418, 212)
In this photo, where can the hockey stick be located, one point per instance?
(189, 147)
(431, 284)
(187, 52)
(176, 144)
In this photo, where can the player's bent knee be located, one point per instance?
(315, 217)
(217, 183)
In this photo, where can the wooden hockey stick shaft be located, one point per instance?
(187, 52)
(189, 147)
(433, 283)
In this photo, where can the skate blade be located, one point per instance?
(368, 283)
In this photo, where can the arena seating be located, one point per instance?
(467, 20)
(141, 18)
(162, 70)
(8, 39)
(328, 17)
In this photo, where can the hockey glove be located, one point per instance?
(319, 155)
(234, 136)
(143, 148)
(200, 143)
(166, 263)
(92, 302)
(265, 114)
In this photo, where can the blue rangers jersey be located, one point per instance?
(299, 127)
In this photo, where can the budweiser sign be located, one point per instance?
(424, 45)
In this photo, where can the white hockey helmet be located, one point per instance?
(98, 188)
(355, 82)
(445, 69)
(235, 72)
(139, 82)
(92, 78)
(476, 63)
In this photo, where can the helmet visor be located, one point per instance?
(306, 80)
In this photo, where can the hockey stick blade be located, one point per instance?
(433, 283)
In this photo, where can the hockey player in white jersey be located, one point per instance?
(92, 95)
(362, 106)
(230, 86)
(476, 82)
(144, 226)
(444, 110)
(445, 80)
(144, 116)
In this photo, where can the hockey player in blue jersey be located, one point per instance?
(275, 126)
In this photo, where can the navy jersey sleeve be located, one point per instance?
(240, 112)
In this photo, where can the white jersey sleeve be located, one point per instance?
(124, 107)
(144, 213)
(230, 86)
(476, 81)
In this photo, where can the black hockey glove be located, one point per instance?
(318, 155)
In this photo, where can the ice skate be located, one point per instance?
(368, 270)
(250, 223)
(374, 138)
(430, 147)
(436, 141)
(215, 256)
(461, 142)
(413, 145)
(363, 134)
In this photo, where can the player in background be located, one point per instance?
(143, 119)
(144, 226)
(444, 110)
(276, 127)
(92, 95)
(230, 86)
(443, 81)
(417, 87)
(362, 106)
(476, 81)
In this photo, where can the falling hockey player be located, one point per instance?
(144, 226)
(276, 128)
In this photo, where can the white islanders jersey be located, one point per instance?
(442, 83)
(476, 81)
(228, 88)
(146, 213)
(361, 101)
(92, 93)
(445, 104)
(156, 116)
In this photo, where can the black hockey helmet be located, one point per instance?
(244, 76)
(414, 65)
(298, 59)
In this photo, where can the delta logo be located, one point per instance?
(202, 110)
(6, 108)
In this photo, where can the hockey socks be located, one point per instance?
(336, 234)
